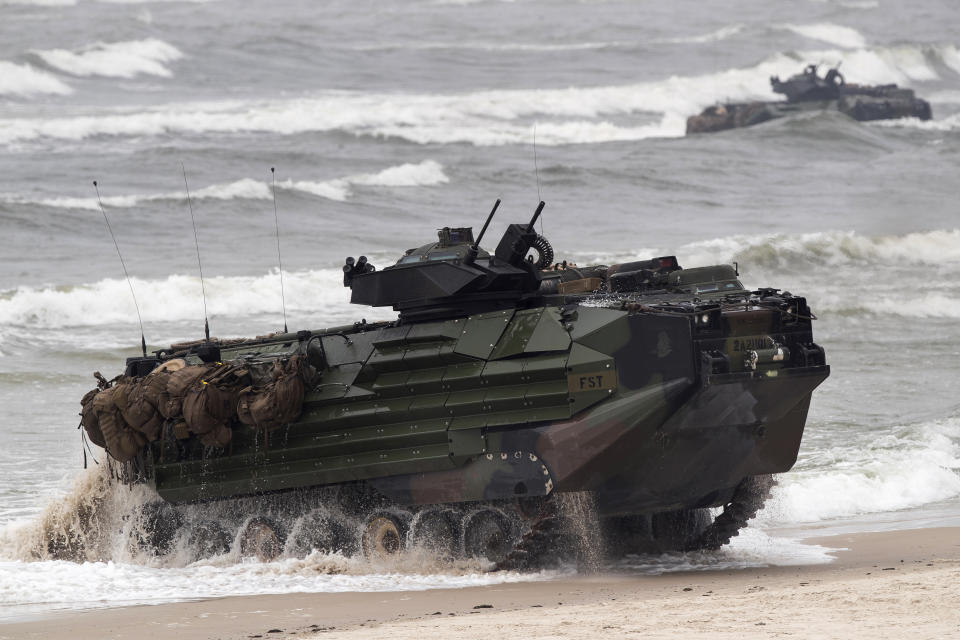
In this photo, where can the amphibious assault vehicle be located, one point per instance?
(508, 384)
(807, 91)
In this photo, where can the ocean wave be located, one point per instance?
(575, 115)
(24, 80)
(426, 173)
(786, 252)
(917, 466)
(115, 59)
(840, 256)
(830, 33)
(950, 123)
(177, 298)
(714, 36)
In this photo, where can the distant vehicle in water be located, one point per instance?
(651, 391)
(807, 91)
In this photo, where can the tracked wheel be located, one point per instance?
(384, 534)
(262, 537)
(487, 533)
(209, 538)
(688, 529)
(437, 530)
(155, 526)
(748, 498)
(320, 531)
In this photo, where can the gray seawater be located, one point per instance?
(386, 120)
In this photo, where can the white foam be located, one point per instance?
(25, 80)
(60, 584)
(830, 33)
(116, 60)
(774, 256)
(171, 299)
(950, 123)
(426, 173)
(574, 115)
(753, 548)
(786, 252)
(913, 466)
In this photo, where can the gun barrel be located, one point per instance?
(536, 214)
(476, 244)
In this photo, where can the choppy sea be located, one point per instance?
(386, 120)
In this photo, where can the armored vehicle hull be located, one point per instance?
(808, 92)
(655, 391)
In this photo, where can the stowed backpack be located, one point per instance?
(276, 401)
(141, 409)
(120, 440)
(211, 402)
(88, 418)
(124, 414)
(179, 382)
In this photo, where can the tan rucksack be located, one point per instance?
(171, 400)
(120, 440)
(278, 402)
(211, 405)
(89, 419)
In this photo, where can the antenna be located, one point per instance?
(143, 340)
(536, 167)
(196, 241)
(276, 220)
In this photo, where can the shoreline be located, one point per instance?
(879, 583)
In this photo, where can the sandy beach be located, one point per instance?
(882, 585)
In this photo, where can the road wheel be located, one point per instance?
(156, 526)
(209, 538)
(261, 537)
(487, 534)
(321, 531)
(384, 535)
(437, 530)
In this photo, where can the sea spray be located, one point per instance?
(583, 523)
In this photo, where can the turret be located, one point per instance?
(452, 276)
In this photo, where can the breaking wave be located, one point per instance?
(912, 467)
(426, 173)
(786, 252)
(497, 117)
(115, 60)
(830, 33)
(176, 298)
(832, 262)
(24, 80)
(950, 123)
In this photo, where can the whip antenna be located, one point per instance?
(536, 168)
(276, 221)
(143, 340)
(196, 241)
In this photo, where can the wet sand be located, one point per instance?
(884, 585)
